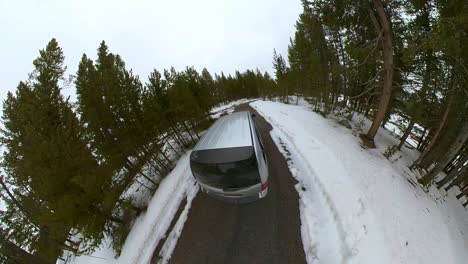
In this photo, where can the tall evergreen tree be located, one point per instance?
(47, 160)
(281, 72)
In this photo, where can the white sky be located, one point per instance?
(216, 34)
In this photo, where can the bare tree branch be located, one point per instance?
(373, 49)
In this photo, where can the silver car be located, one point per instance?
(229, 162)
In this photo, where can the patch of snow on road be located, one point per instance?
(358, 207)
(228, 108)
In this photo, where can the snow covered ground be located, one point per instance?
(357, 206)
(228, 108)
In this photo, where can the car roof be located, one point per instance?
(227, 132)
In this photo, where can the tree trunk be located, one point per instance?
(453, 174)
(368, 108)
(154, 164)
(406, 134)
(175, 132)
(463, 192)
(187, 129)
(464, 187)
(132, 169)
(13, 199)
(345, 73)
(129, 166)
(458, 177)
(172, 147)
(147, 187)
(194, 129)
(457, 162)
(383, 24)
(16, 255)
(106, 215)
(40, 258)
(169, 161)
(385, 121)
(162, 163)
(449, 155)
(422, 142)
(436, 134)
(47, 247)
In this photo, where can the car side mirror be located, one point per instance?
(254, 115)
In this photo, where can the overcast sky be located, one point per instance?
(221, 35)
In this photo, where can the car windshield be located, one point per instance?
(228, 175)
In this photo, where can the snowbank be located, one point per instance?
(228, 108)
(357, 206)
(171, 241)
(150, 227)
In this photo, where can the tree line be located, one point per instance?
(66, 165)
(384, 59)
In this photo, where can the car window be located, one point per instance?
(228, 175)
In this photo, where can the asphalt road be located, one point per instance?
(265, 231)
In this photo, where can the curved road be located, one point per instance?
(266, 231)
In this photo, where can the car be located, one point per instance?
(229, 161)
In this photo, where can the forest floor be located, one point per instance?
(356, 206)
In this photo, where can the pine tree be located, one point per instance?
(281, 71)
(110, 106)
(308, 55)
(47, 159)
(383, 26)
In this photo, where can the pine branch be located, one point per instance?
(373, 49)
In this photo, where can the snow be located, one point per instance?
(150, 227)
(103, 255)
(171, 241)
(395, 129)
(355, 205)
(228, 108)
